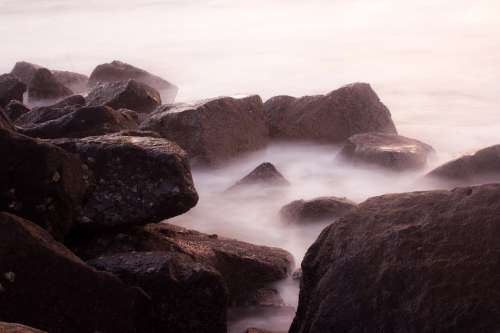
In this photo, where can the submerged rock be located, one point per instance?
(316, 210)
(213, 131)
(10, 89)
(394, 152)
(16, 109)
(17, 328)
(265, 174)
(45, 87)
(330, 118)
(409, 262)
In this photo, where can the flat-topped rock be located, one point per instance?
(11, 88)
(316, 210)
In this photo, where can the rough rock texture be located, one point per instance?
(46, 113)
(16, 109)
(86, 121)
(45, 87)
(213, 131)
(264, 174)
(244, 267)
(128, 94)
(330, 118)
(187, 297)
(24, 71)
(120, 71)
(45, 285)
(78, 83)
(5, 123)
(410, 262)
(41, 182)
(10, 89)
(480, 167)
(389, 151)
(316, 210)
(17, 328)
(136, 180)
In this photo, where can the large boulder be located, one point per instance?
(45, 87)
(86, 121)
(17, 328)
(43, 114)
(330, 118)
(45, 285)
(41, 182)
(128, 94)
(213, 131)
(480, 167)
(245, 267)
(11, 88)
(390, 151)
(76, 82)
(265, 174)
(120, 71)
(410, 262)
(316, 210)
(187, 297)
(16, 109)
(135, 180)
(24, 71)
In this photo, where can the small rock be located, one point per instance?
(265, 174)
(316, 210)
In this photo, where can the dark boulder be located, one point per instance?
(45, 87)
(120, 71)
(390, 151)
(16, 109)
(5, 123)
(129, 94)
(187, 297)
(24, 71)
(17, 328)
(46, 113)
(45, 285)
(265, 174)
(330, 118)
(316, 210)
(41, 182)
(409, 262)
(76, 82)
(10, 89)
(480, 167)
(213, 131)
(136, 180)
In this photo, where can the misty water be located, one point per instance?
(433, 63)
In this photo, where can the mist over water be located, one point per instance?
(433, 63)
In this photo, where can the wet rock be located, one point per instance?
(120, 71)
(316, 210)
(5, 123)
(40, 181)
(394, 152)
(480, 167)
(24, 71)
(85, 121)
(55, 291)
(244, 267)
(16, 109)
(17, 328)
(10, 89)
(403, 262)
(45, 87)
(265, 174)
(46, 113)
(213, 131)
(129, 94)
(78, 83)
(330, 118)
(136, 180)
(187, 297)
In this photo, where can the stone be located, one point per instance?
(77, 82)
(316, 210)
(16, 109)
(43, 114)
(45, 87)
(265, 174)
(10, 89)
(17, 328)
(5, 123)
(24, 71)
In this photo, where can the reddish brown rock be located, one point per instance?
(330, 118)
(17, 328)
(409, 262)
(45, 87)
(316, 210)
(265, 174)
(43, 114)
(10, 89)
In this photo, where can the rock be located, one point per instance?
(10, 89)
(264, 297)
(213, 131)
(258, 330)
(45, 87)
(480, 167)
(24, 71)
(244, 267)
(46, 113)
(120, 71)
(265, 174)
(136, 180)
(316, 210)
(16, 109)
(5, 123)
(409, 262)
(86, 121)
(330, 118)
(187, 297)
(76, 82)
(297, 274)
(45, 285)
(129, 94)
(40, 181)
(17, 328)
(390, 151)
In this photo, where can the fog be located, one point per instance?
(433, 63)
